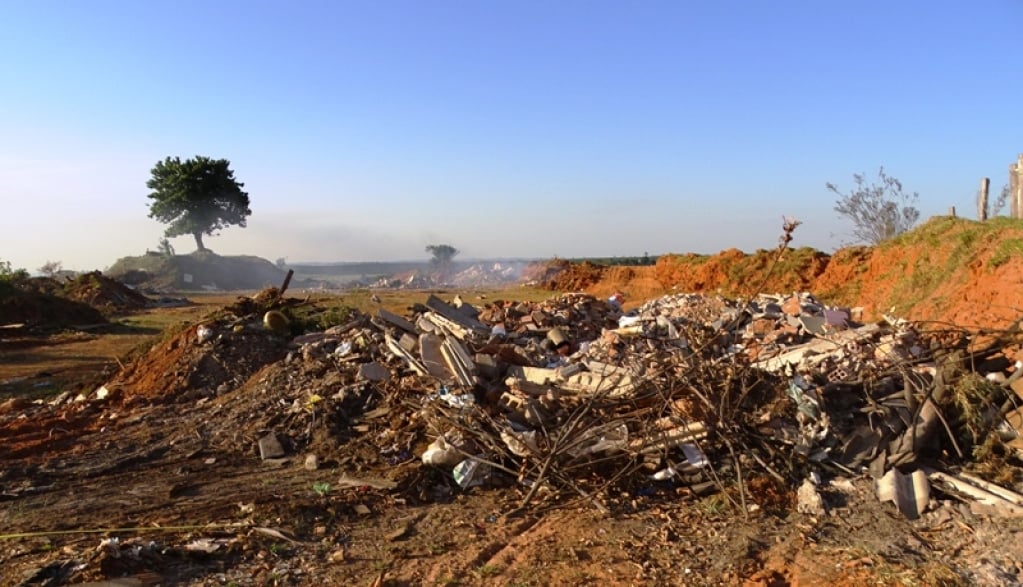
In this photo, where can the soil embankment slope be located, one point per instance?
(949, 270)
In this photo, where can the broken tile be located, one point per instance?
(374, 372)
(910, 493)
(270, 447)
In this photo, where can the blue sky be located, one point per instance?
(367, 130)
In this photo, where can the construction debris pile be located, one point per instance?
(476, 275)
(573, 397)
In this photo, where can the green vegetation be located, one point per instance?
(1008, 248)
(489, 570)
(196, 271)
(197, 196)
(10, 278)
(945, 247)
(308, 318)
(646, 259)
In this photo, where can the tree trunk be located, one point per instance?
(198, 241)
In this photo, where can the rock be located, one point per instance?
(808, 501)
(312, 462)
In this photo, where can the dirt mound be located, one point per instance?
(948, 270)
(563, 275)
(197, 271)
(44, 303)
(202, 360)
(198, 362)
(32, 303)
(103, 293)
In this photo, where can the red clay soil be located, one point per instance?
(184, 369)
(949, 270)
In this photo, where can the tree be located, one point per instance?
(197, 196)
(442, 254)
(10, 276)
(165, 248)
(877, 210)
(51, 268)
(1003, 199)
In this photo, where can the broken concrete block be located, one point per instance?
(614, 384)
(808, 500)
(408, 342)
(486, 365)
(270, 447)
(457, 358)
(537, 375)
(815, 325)
(412, 362)
(566, 371)
(433, 359)
(396, 320)
(374, 372)
(424, 325)
(453, 314)
(838, 318)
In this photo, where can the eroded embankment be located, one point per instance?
(948, 270)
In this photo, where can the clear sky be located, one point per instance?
(367, 130)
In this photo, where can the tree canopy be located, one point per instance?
(197, 196)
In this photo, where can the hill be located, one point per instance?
(196, 271)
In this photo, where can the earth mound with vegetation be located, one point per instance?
(197, 271)
(946, 270)
(47, 303)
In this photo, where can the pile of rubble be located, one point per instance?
(572, 397)
(45, 303)
(104, 293)
(476, 275)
